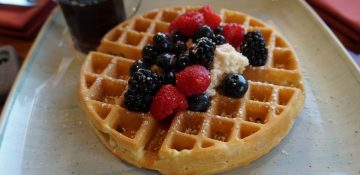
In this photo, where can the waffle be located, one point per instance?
(231, 133)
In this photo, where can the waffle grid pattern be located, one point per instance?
(141, 140)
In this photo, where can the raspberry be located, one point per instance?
(193, 80)
(234, 34)
(211, 18)
(167, 102)
(187, 23)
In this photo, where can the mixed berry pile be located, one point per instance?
(175, 70)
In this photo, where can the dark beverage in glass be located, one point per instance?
(89, 20)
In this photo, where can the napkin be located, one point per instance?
(24, 21)
(343, 17)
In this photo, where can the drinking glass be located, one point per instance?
(89, 20)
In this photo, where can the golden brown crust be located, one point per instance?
(231, 134)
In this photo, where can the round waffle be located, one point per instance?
(232, 133)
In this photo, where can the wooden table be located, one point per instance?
(22, 48)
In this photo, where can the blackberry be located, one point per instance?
(145, 81)
(138, 64)
(169, 77)
(182, 61)
(142, 86)
(254, 48)
(234, 85)
(179, 47)
(166, 61)
(136, 102)
(220, 39)
(149, 54)
(177, 36)
(202, 52)
(204, 31)
(162, 43)
(199, 103)
(218, 30)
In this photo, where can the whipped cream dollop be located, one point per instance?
(226, 60)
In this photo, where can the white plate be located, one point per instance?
(43, 130)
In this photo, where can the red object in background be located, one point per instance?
(343, 17)
(24, 22)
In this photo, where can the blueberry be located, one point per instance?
(199, 103)
(149, 54)
(165, 61)
(179, 47)
(204, 31)
(177, 36)
(218, 30)
(169, 77)
(234, 85)
(220, 40)
(162, 43)
(138, 64)
(182, 61)
(160, 37)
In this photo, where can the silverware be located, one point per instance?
(24, 3)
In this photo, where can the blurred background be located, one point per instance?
(21, 20)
